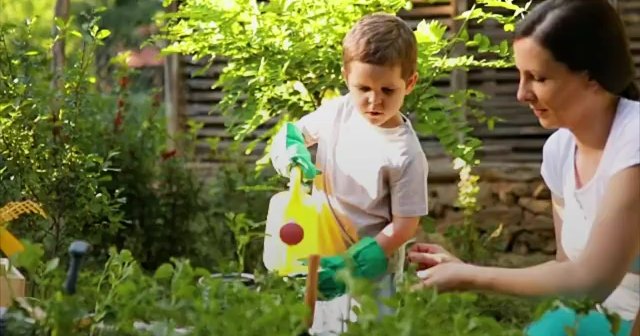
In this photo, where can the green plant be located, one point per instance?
(175, 296)
(102, 170)
(126, 299)
(238, 199)
(49, 156)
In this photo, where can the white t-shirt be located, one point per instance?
(368, 173)
(581, 205)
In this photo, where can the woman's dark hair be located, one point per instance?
(585, 35)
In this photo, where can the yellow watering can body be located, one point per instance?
(316, 231)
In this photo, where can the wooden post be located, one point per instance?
(12, 284)
(61, 11)
(459, 76)
(172, 92)
(311, 291)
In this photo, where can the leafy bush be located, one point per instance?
(125, 299)
(100, 167)
(175, 296)
(51, 157)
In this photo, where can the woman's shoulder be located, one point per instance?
(627, 123)
(623, 149)
(559, 146)
(556, 153)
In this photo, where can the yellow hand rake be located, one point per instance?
(9, 244)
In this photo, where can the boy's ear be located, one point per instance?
(345, 75)
(411, 83)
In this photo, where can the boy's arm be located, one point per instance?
(312, 125)
(409, 202)
(293, 139)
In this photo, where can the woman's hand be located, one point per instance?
(447, 277)
(439, 268)
(429, 255)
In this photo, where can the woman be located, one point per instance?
(577, 75)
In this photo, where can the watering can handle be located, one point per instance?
(295, 184)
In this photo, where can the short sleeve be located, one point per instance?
(409, 187)
(627, 149)
(554, 155)
(320, 121)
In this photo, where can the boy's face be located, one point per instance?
(378, 91)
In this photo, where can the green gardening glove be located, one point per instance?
(367, 258)
(288, 150)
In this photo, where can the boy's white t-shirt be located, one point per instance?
(369, 174)
(581, 205)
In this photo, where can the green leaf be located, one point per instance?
(103, 34)
(165, 271)
(51, 265)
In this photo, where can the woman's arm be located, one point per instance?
(613, 244)
(635, 329)
(558, 206)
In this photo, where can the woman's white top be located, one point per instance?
(581, 205)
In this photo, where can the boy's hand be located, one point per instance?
(294, 153)
(366, 259)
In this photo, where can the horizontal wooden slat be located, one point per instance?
(440, 170)
(431, 149)
(427, 12)
(493, 75)
(624, 6)
(213, 71)
(413, 22)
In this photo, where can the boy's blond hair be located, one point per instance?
(382, 39)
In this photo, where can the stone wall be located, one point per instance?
(514, 196)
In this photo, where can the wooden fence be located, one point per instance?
(516, 140)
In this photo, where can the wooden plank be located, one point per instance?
(199, 83)
(492, 75)
(494, 88)
(188, 59)
(633, 31)
(205, 155)
(501, 103)
(205, 96)
(200, 109)
(213, 71)
(203, 149)
(512, 158)
(440, 170)
(506, 131)
(413, 22)
(516, 143)
(624, 6)
(423, 12)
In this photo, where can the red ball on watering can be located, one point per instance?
(291, 233)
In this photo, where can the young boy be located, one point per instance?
(370, 168)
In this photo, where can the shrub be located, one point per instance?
(172, 296)
(100, 167)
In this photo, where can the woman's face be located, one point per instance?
(557, 96)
